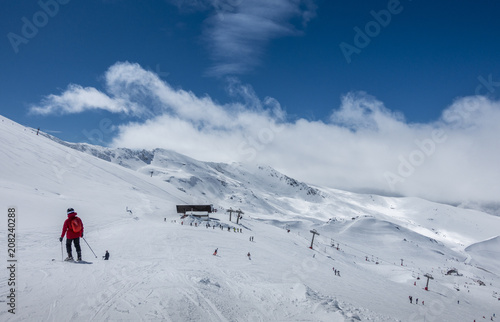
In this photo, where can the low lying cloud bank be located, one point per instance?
(362, 147)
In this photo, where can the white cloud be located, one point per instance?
(360, 111)
(77, 99)
(364, 146)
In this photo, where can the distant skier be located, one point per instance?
(411, 298)
(73, 229)
(249, 256)
(416, 301)
(106, 256)
(215, 253)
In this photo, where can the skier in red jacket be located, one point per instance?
(73, 229)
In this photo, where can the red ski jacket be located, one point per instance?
(67, 227)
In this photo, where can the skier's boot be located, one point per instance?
(79, 256)
(69, 258)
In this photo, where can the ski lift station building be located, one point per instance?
(196, 210)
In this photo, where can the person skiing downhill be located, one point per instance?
(70, 225)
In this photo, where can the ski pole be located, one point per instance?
(90, 247)
(62, 256)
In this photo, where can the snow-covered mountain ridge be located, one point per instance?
(158, 161)
(162, 270)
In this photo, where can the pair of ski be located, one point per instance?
(78, 261)
(75, 261)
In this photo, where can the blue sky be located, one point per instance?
(395, 68)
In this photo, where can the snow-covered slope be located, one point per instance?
(486, 254)
(161, 269)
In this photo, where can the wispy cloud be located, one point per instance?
(237, 38)
(363, 147)
(237, 31)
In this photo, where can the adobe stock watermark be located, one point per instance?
(31, 27)
(363, 37)
(427, 147)
(459, 116)
(253, 145)
(486, 84)
(416, 158)
(158, 71)
(73, 160)
(96, 136)
(429, 312)
(225, 6)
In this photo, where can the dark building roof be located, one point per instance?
(182, 209)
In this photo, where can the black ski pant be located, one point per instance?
(77, 246)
